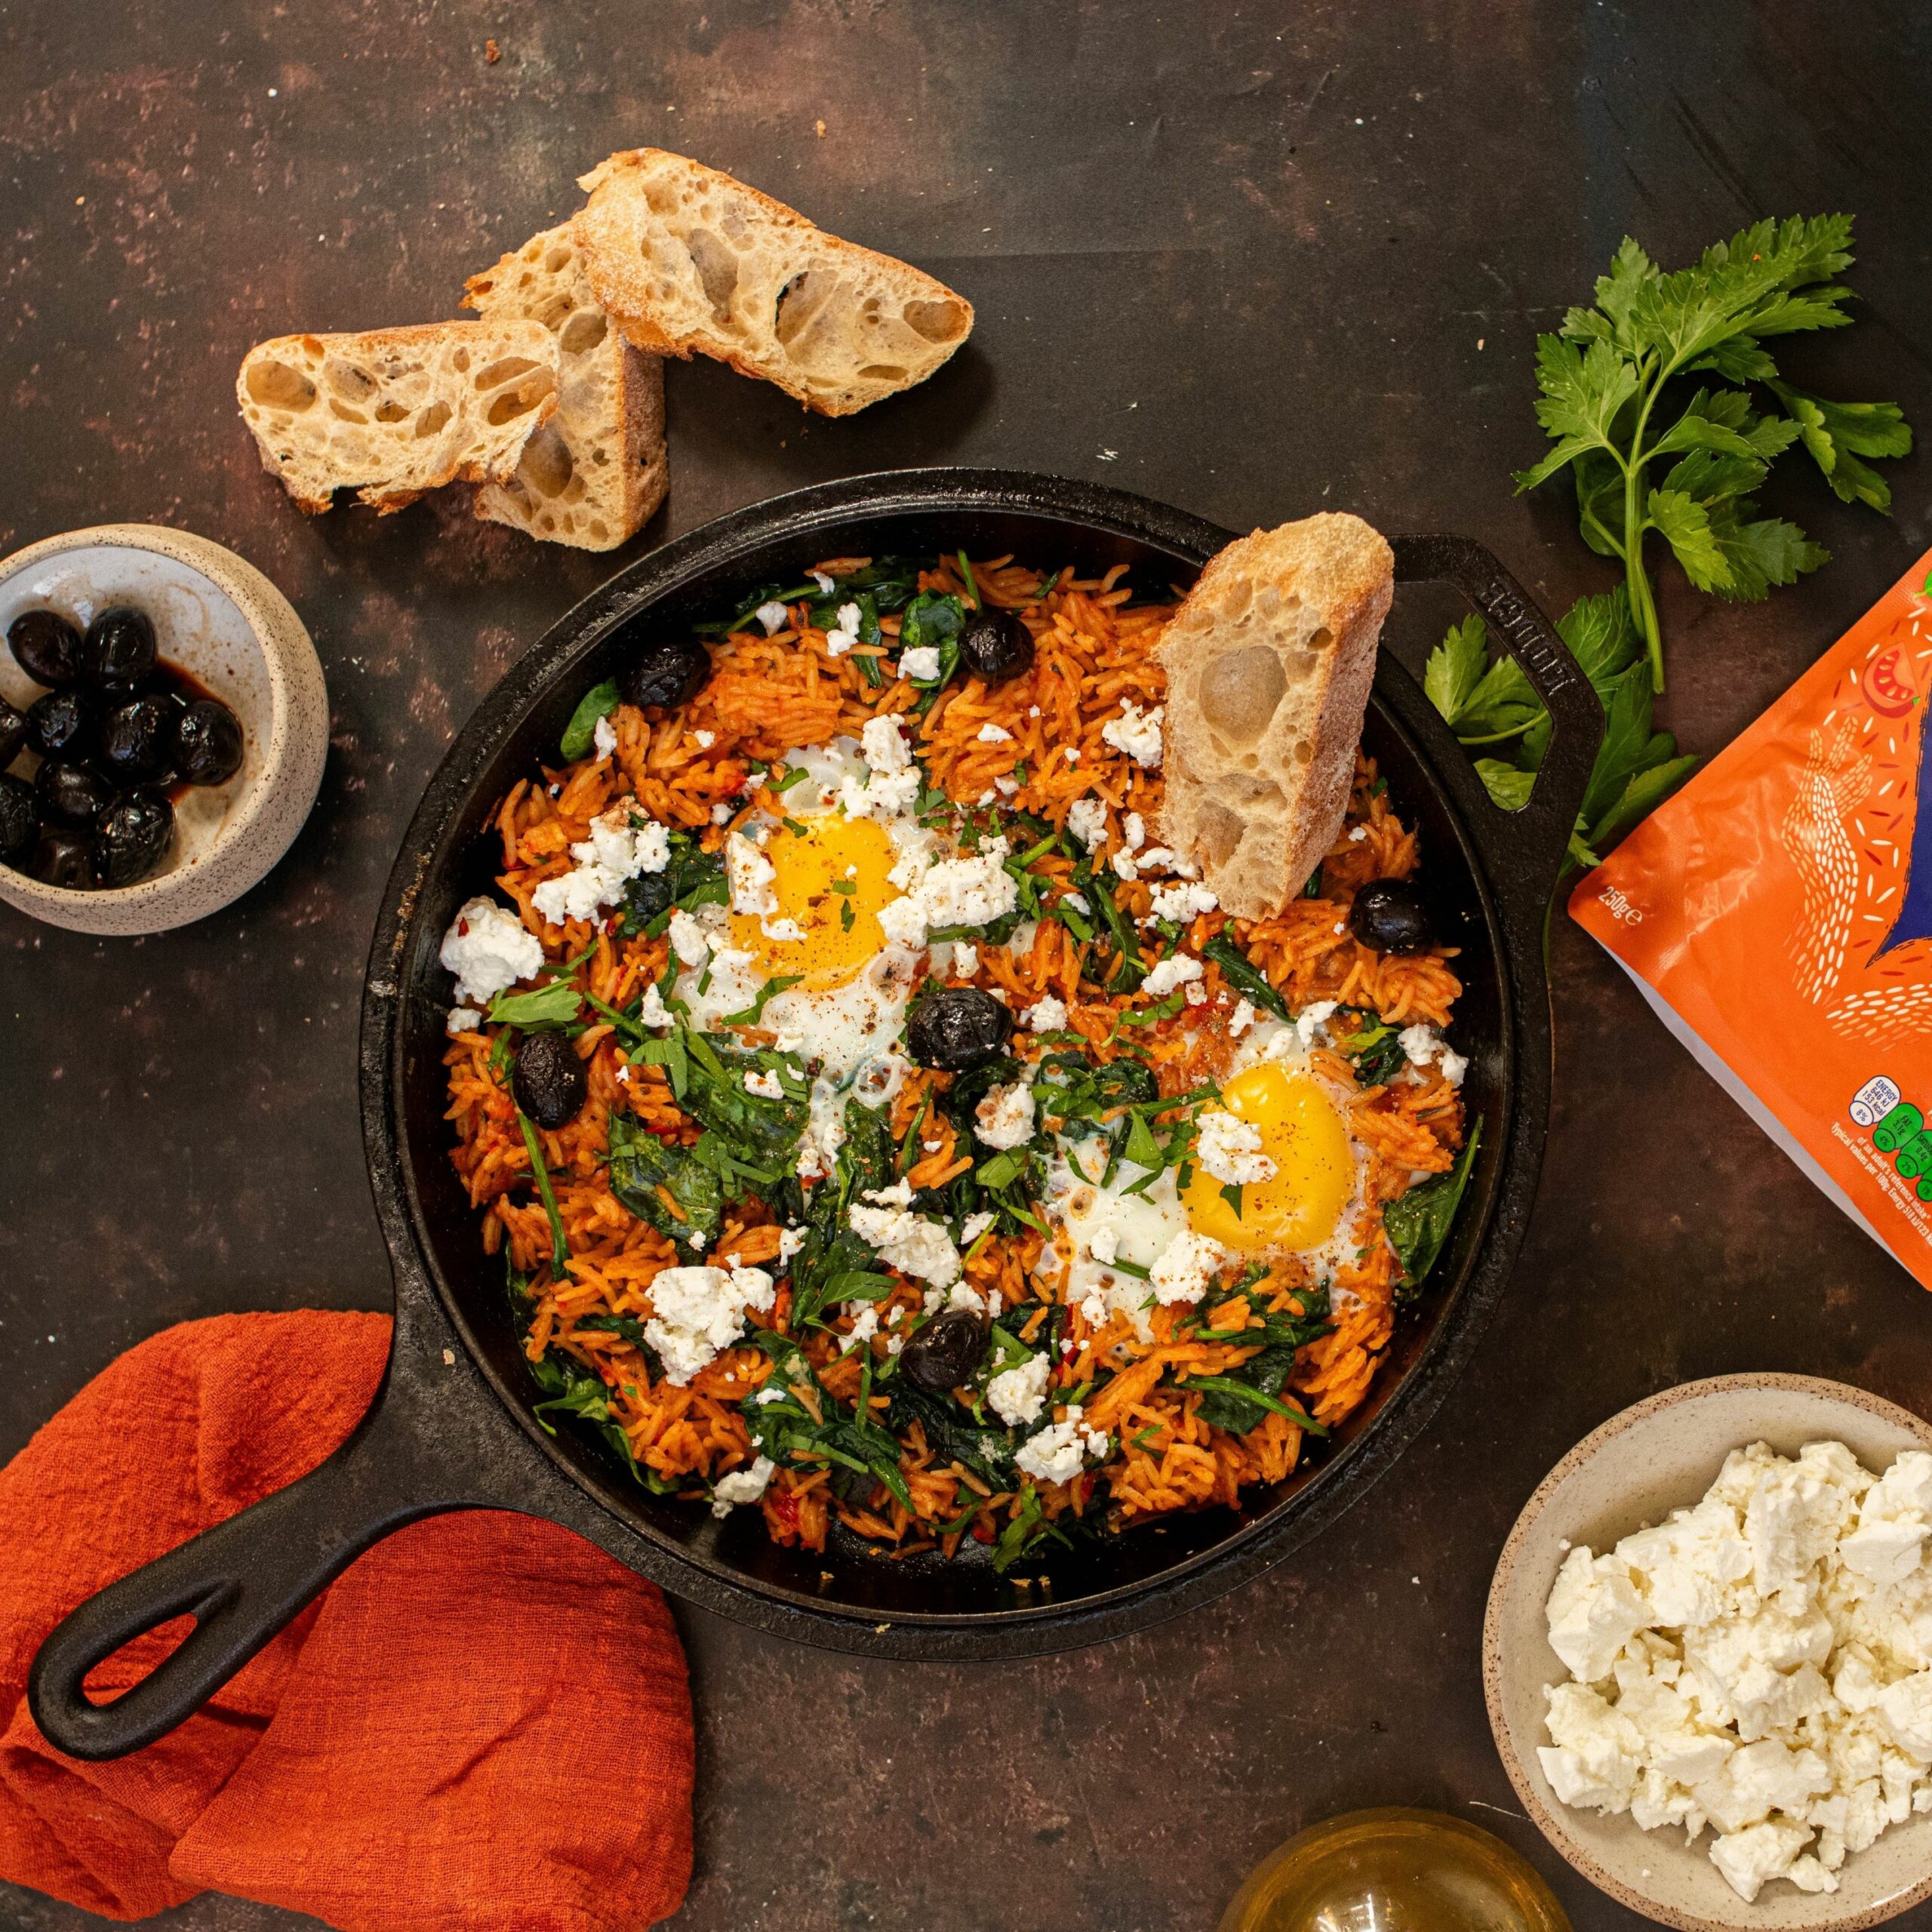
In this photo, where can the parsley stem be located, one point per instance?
(559, 1248)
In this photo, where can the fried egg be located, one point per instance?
(829, 880)
(1097, 1226)
(1300, 1204)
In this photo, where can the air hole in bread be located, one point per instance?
(1303, 751)
(599, 529)
(882, 372)
(798, 301)
(352, 384)
(508, 370)
(1220, 833)
(1240, 690)
(459, 360)
(556, 261)
(937, 322)
(1322, 639)
(519, 401)
(583, 332)
(717, 269)
(432, 419)
(275, 386)
(546, 465)
(343, 410)
(1245, 789)
(662, 196)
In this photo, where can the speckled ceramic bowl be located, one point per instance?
(1661, 1456)
(222, 622)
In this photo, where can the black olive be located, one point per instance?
(132, 838)
(1389, 915)
(63, 858)
(668, 671)
(136, 743)
(19, 820)
(71, 794)
(46, 646)
(549, 1084)
(959, 1029)
(943, 1354)
(13, 733)
(119, 647)
(207, 742)
(61, 724)
(995, 645)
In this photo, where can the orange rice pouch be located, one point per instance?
(1777, 913)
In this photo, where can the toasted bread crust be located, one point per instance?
(596, 474)
(393, 413)
(1268, 661)
(689, 261)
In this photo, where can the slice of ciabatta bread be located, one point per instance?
(392, 413)
(592, 474)
(1268, 662)
(686, 259)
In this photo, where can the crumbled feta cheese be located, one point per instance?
(826, 582)
(1181, 901)
(603, 737)
(1310, 1026)
(462, 1020)
(884, 744)
(1197, 994)
(1241, 1019)
(1048, 1015)
(865, 1324)
(767, 1086)
(1186, 1265)
(697, 1312)
(909, 1242)
(971, 891)
(884, 795)
(1124, 866)
(623, 843)
(741, 1485)
(723, 814)
(1007, 788)
(1135, 733)
(706, 740)
(990, 733)
(790, 1240)
(1059, 1452)
(622, 1075)
(921, 663)
(1755, 1662)
(774, 616)
(1424, 1044)
(488, 949)
(1168, 973)
(965, 959)
(898, 1194)
(1087, 820)
(749, 874)
(786, 931)
(653, 1013)
(1004, 1119)
(1017, 1395)
(1103, 1244)
(1229, 1150)
(974, 1225)
(689, 941)
(1134, 832)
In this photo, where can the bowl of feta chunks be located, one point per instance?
(1708, 1656)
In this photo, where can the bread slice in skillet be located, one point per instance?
(593, 475)
(1268, 661)
(687, 259)
(392, 413)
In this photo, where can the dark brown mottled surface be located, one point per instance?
(1255, 260)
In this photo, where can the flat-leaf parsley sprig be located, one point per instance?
(1604, 379)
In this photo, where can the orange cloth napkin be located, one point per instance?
(485, 1723)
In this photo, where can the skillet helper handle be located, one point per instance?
(1542, 828)
(241, 1581)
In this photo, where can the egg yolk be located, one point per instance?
(830, 877)
(1299, 1205)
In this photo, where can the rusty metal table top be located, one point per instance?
(1254, 261)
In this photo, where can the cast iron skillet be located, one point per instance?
(452, 1427)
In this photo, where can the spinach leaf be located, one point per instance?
(549, 1006)
(1375, 1047)
(953, 1434)
(641, 1164)
(1419, 1223)
(1027, 1528)
(580, 733)
(540, 1173)
(831, 1256)
(1247, 1401)
(748, 1136)
(863, 1454)
(1243, 976)
(572, 1390)
(627, 1327)
(691, 878)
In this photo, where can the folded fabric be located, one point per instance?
(486, 1722)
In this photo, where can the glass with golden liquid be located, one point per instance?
(1394, 1871)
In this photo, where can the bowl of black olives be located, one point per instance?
(163, 727)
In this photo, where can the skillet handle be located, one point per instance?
(241, 1581)
(1540, 831)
